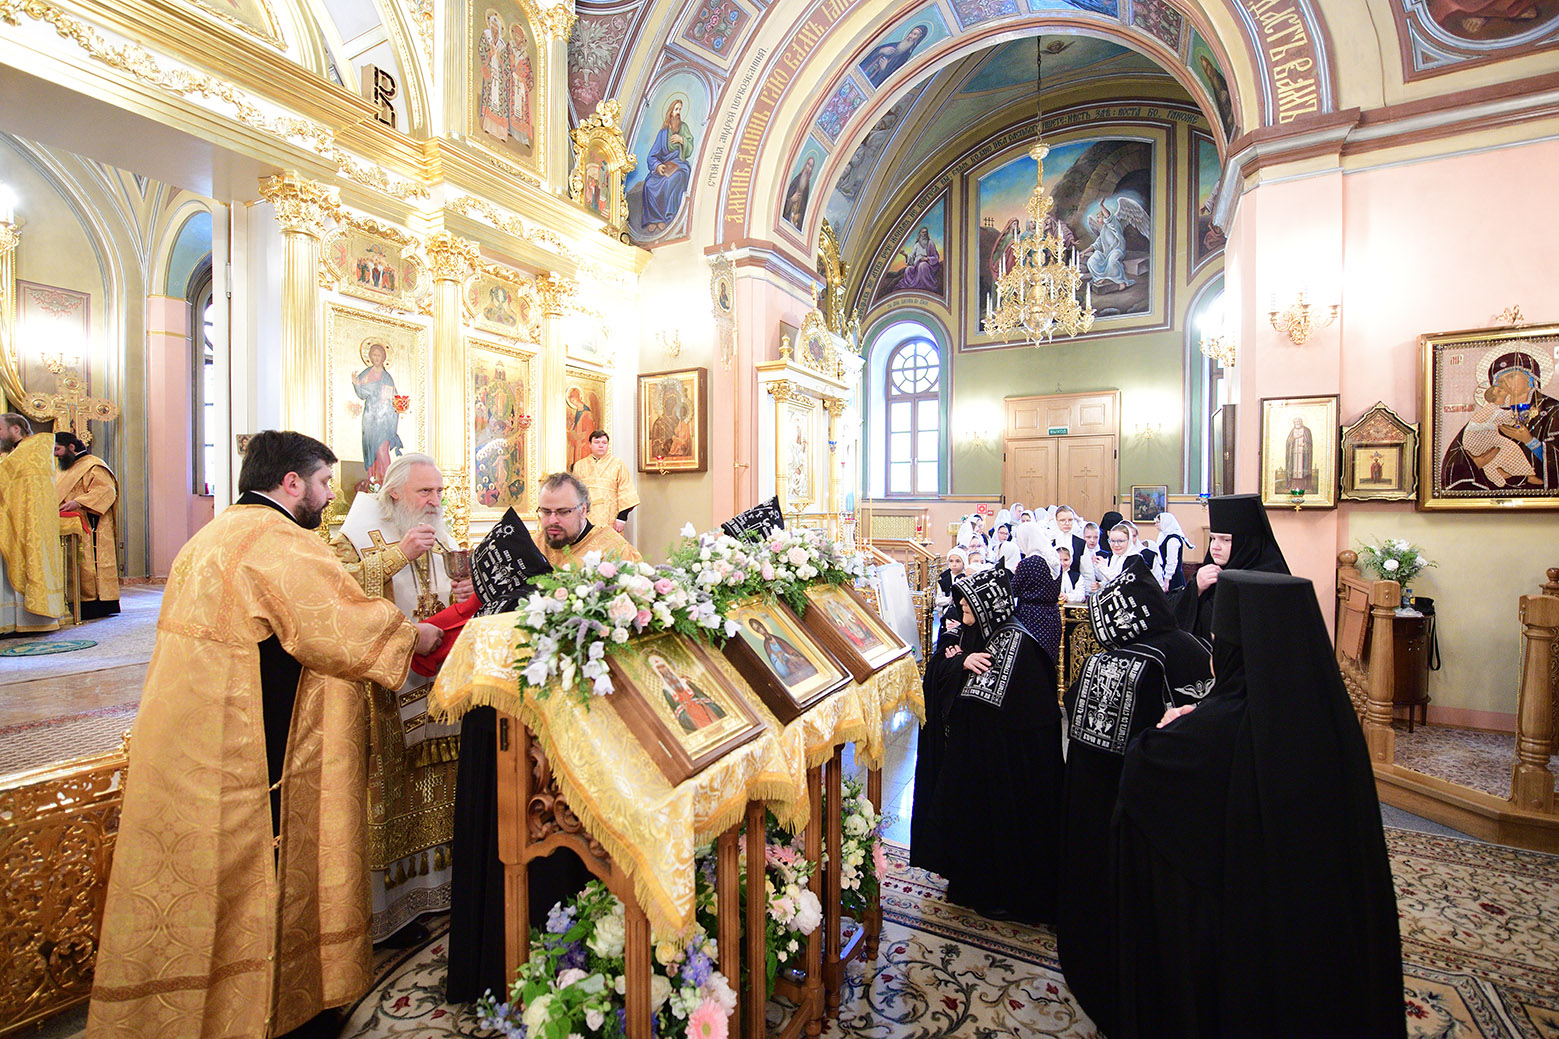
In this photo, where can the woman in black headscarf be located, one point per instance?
(1254, 893)
(1111, 520)
(1146, 666)
(1239, 538)
(1001, 765)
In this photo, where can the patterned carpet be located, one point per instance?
(1480, 950)
(1471, 757)
(30, 744)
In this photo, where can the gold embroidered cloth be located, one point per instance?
(646, 825)
(29, 531)
(91, 483)
(203, 933)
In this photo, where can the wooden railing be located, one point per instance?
(923, 568)
(1366, 649)
(1537, 704)
(58, 826)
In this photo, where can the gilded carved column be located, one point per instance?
(559, 22)
(835, 406)
(10, 377)
(303, 208)
(452, 261)
(557, 297)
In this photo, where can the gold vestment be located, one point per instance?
(30, 538)
(604, 540)
(412, 759)
(211, 927)
(90, 482)
(611, 488)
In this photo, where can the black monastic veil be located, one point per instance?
(1254, 893)
(1252, 547)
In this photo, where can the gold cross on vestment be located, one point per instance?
(72, 407)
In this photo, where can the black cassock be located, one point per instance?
(502, 567)
(1001, 769)
(1252, 547)
(1254, 893)
(943, 679)
(1147, 665)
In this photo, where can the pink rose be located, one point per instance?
(560, 594)
(768, 572)
(665, 585)
(642, 619)
(607, 570)
(621, 610)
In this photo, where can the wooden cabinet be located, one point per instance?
(1062, 448)
(1410, 656)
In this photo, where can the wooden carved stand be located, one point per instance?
(807, 993)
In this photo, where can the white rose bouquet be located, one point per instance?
(782, 564)
(1393, 560)
(577, 611)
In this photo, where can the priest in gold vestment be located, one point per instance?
(238, 901)
(390, 542)
(32, 568)
(606, 479)
(567, 535)
(86, 485)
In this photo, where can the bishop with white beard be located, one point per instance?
(390, 542)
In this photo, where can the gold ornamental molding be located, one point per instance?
(558, 294)
(559, 21)
(518, 227)
(422, 17)
(186, 83)
(451, 258)
(834, 405)
(8, 240)
(301, 204)
(782, 390)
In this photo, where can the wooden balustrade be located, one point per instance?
(1366, 649)
(1531, 781)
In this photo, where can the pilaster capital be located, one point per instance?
(302, 206)
(781, 389)
(451, 258)
(557, 294)
(835, 406)
(558, 21)
(8, 237)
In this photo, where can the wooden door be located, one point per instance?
(1086, 467)
(1030, 470)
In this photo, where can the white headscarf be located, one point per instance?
(1033, 541)
(1004, 516)
(1167, 525)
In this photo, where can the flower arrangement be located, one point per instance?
(578, 610)
(1393, 560)
(573, 983)
(782, 563)
(793, 909)
(862, 859)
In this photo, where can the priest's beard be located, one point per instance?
(405, 515)
(311, 508)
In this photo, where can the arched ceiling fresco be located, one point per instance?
(810, 91)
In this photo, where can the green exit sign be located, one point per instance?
(1058, 431)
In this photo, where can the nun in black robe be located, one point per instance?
(1147, 665)
(1254, 894)
(502, 567)
(1252, 546)
(1001, 766)
(943, 679)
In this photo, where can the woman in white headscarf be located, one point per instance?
(1170, 550)
(1123, 545)
(957, 563)
(1032, 540)
(1003, 550)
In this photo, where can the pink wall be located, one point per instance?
(1392, 245)
(177, 513)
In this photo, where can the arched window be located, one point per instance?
(912, 396)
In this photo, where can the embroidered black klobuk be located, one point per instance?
(503, 564)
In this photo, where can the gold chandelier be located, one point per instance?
(1036, 297)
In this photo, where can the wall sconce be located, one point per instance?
(1219, 348)
(1296, 320)
(7, 205)
(1149, 430)
(669, 340)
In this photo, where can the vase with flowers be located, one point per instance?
(1394, 559)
